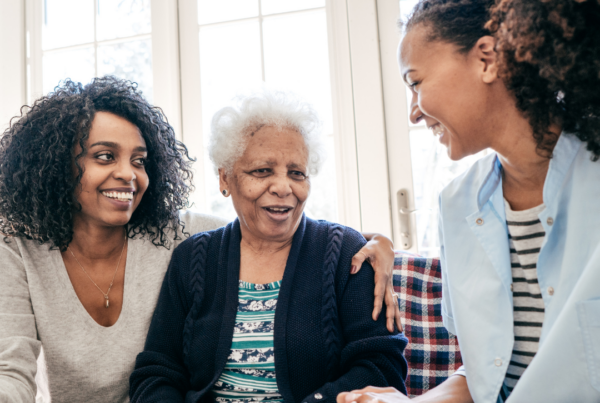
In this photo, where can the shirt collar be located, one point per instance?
(563, 155)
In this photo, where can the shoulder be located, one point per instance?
(201, 239)
(197, 222)
(333, 232)
(466, 185)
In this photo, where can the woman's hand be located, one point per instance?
(371, 394)
(379, 251)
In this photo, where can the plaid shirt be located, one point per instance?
(432, 353)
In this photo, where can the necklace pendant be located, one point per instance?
(106, 304)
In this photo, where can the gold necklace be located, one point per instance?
(106, 303)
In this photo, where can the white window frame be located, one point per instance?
(371, 131)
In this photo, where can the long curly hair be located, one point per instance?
(550, 59)
(37, 179)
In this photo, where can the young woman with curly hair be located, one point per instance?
(92, 181)
(520, 230)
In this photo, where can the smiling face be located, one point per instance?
(114, 177)
(453, 92)
(269, 184)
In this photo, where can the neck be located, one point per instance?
(265, 247)
(94, 242)
(524, 169)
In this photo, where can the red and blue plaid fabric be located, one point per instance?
(432, 353)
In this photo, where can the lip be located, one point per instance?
(278, 217)
(119, 189)
(119, 204)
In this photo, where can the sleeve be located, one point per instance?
(19, 344)
(371, 356)
(461, 371)
(160, 374)
(447, 317)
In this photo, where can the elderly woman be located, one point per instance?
(264, 309)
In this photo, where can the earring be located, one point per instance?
(225, 192)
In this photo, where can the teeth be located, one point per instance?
(437, 130)
(121, 196)
(278, 209)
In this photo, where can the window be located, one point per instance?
(244, 43)
(83, 39)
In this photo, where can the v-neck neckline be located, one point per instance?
(74, 300)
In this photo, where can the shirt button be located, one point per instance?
(550, 221)
(318, 396)
(479, 221)
(498, 362)
(550, 291)
(511, 287)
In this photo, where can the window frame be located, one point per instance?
(371, 130)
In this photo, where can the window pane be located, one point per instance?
(129, 60)
(432, 171)
(122, 18)
(229, 64)
(210, 11)
(63, 18)
(78, 65)
(282, 6)
(296, 58)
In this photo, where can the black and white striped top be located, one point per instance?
(526, 235)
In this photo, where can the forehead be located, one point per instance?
(280, 144)
(107, 126)
(416, 51)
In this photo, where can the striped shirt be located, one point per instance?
(249, 374)
(526, 235)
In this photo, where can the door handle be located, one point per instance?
(404, 216)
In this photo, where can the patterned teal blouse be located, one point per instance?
(249, 375)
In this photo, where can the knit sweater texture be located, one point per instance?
(325, 339)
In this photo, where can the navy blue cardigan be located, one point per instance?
(325, 339)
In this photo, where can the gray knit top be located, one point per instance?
(82, 361)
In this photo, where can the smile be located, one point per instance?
(120, 196)
(437, 129)
(277, 210)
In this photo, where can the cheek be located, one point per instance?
(302, 191)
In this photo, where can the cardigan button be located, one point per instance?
(318, 396)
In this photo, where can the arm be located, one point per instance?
(371, 355)
(160, 374)
(19, 346)
(379, 251)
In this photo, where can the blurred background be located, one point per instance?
(190, 57)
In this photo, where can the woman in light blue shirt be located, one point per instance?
(532, 96)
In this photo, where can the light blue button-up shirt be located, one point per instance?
(477, 301)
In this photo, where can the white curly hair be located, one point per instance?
(232, 125)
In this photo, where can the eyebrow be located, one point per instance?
(117, 146)
(406, 73)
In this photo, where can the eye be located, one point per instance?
(105, 157)
(413, 85)
(298, 175)
(261, 172)
(141, 161)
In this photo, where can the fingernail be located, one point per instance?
(354, 269)
(351, 397)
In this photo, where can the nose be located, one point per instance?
(280, 186)
(125, 171)
(415, 113)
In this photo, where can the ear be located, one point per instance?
(487, 57)
(224, 181)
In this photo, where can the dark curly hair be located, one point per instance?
(37, 182)
(550, 59)
(460, 22)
